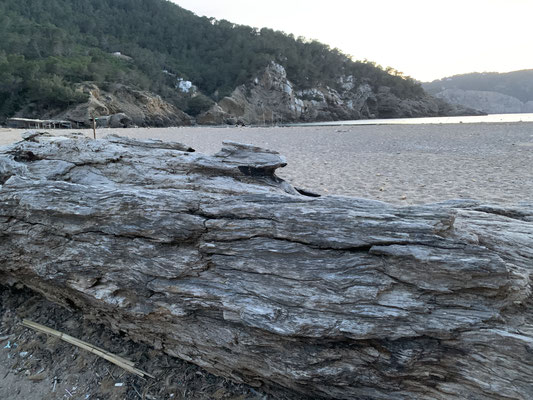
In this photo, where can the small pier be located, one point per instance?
(26, 123)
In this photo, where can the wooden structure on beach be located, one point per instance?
(26, 123)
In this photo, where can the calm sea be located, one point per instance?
(492, 118)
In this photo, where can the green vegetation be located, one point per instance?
(47, 47)
(198, 105)
(518, 84)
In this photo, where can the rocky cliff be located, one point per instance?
(272, 98)
(487, 101)
(122, 106)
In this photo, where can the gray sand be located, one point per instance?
(402, 164)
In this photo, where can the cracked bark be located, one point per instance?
(215, 260)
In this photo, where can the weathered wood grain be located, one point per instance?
(215, 260)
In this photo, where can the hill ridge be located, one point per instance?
(152, 45)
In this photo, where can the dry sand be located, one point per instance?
(402, 164)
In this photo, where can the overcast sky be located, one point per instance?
(426, 39)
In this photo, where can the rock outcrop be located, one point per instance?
(271, 98)
(215, 260)
(486, 101)
(122, 106)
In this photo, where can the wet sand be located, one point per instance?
(401, 164)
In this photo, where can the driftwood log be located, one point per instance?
(215, 260)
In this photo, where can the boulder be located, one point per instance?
(215, 116)
(120, 120)
(216, 260)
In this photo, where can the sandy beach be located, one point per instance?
(401, 164)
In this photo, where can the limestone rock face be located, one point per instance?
(271, 98)
(216, 260)
(486, 101)
(128, 106)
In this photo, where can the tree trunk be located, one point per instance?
(215, 260)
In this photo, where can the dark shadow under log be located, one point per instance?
(215, 260)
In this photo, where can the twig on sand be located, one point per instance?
(136, 391)
(123, 363)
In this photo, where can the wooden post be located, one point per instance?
(94, 127)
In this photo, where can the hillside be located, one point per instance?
(518, 84)
(490, 92)
(49, 48)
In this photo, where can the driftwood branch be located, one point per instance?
(215, 260)
(123, 363)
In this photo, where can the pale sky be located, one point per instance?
(426, 39)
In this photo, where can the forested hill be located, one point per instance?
(48, 46)
(518, 84)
